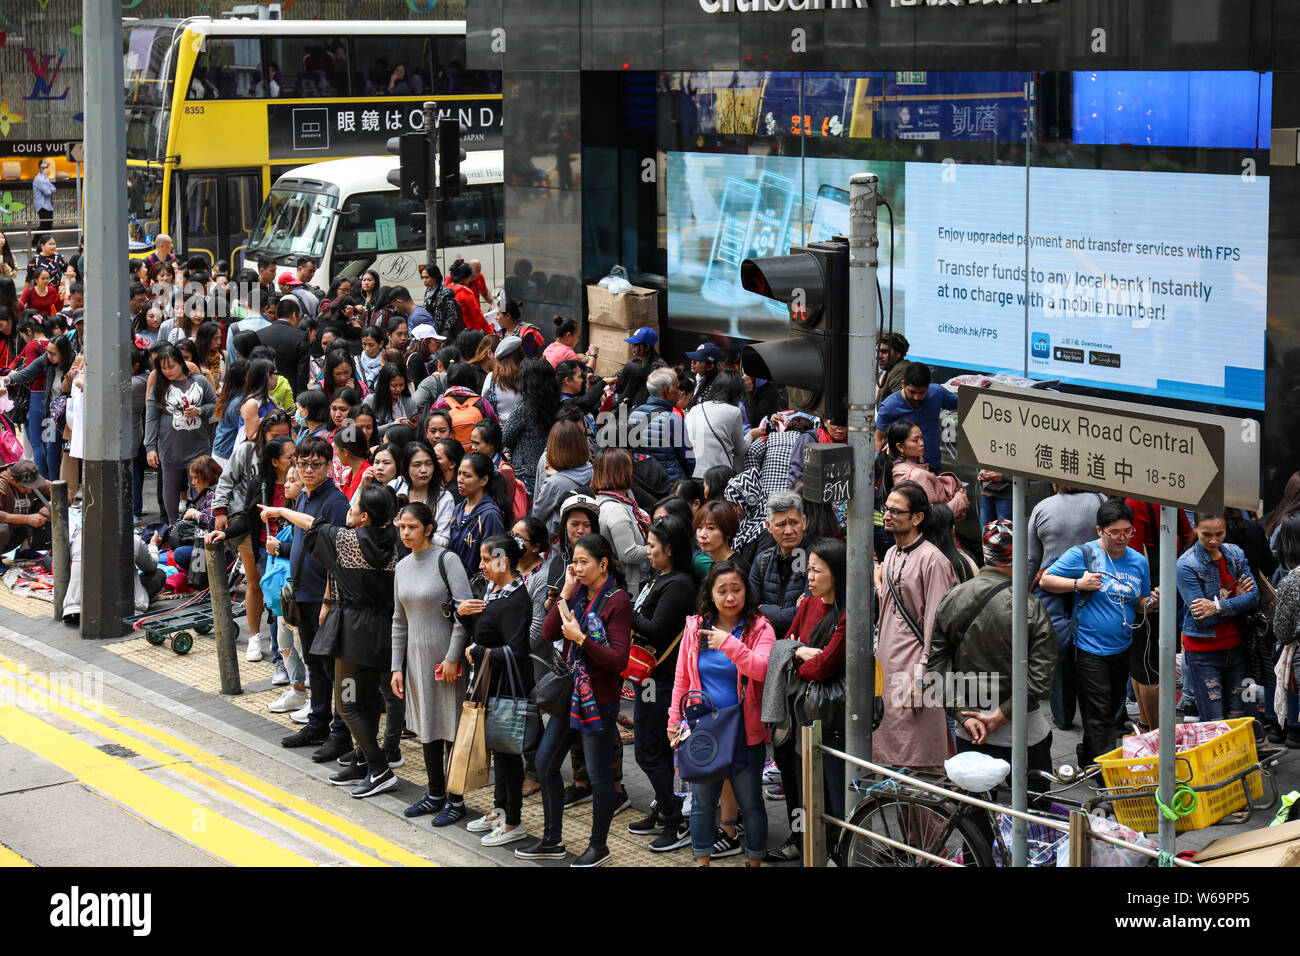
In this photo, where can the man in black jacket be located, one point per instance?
(290, 343)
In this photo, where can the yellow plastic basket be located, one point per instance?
(1212, 762)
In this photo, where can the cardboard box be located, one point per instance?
(625, 310)
(1270, 846)
(614, 352)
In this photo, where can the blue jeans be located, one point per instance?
(35, 415)
(748, 788)
(993, 508)
(1207, 673)
(598, 749)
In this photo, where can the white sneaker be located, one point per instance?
(488, 822)
(254, 652)
(302, 715)
(290, 700)
(501, 836)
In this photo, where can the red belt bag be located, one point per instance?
(641, 661)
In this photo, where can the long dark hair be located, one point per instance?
(9, 291)
(455, 452)
(834, 555)
(333, 359)
(705, 608)
(1287, 542)
(630, 391)
(538, 389)
(435, 480)
(716, 480)
(496, 486)
(266, 459)
(257, 384)
(8, 258)
(892, 451)
(939, 532)
(600, 549)
(382, 392)
(205, 339)
(232, 386)
(675, 536)
(1289, 503)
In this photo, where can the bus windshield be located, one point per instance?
(146, 69)
(293, 221)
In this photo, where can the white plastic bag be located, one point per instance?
(975, 771)
(1108, 854)
(616, 282)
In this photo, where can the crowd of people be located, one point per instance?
(450, 492)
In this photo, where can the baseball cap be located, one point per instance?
(707, 352)
(508, 345)
(426, 331)
(287, 278)
(643, 336)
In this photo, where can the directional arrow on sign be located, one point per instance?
(1113, 447)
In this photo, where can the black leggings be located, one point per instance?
(509, 793)
(433, 766)
(357, 697)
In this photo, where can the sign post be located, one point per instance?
(1174, 458)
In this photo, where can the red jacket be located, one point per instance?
(750, 657)
(470, 313)
(605, 662)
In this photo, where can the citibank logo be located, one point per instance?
(778, 6)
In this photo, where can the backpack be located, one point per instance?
(534, 342)
(650, 482)
(447, 318)
(465, 414)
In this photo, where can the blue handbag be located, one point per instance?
(716, 748)
(276, 575)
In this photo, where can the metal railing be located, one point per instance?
(816, 817)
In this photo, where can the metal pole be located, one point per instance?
(60, 544)
(814, 796)
(431, 193)
(224, 628)
(1019, 668)
(860, 655)
(80, 223)
(1168, 665)
(108, 568)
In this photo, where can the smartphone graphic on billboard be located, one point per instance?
(752, 222)
(830, 214)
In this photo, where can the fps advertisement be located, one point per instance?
(1146, 282)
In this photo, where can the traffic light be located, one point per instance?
(450, 155)
(813, 363)
(413, 176)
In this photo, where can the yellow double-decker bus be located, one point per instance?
(216, 110)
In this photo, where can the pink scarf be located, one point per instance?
(642, 519)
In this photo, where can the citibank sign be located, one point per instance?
(781, 6)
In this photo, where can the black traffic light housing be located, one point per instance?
(414, 176)
(450, 155)
(813, 363)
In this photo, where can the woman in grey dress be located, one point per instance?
(428, 645)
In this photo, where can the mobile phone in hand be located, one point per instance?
(565, 613)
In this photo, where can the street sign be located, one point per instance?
(77, 153)
(1168, 456)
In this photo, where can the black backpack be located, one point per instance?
(650, 482)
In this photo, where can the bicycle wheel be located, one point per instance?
(923, 824)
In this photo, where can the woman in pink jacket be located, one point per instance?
(906, 448)
(724, 653)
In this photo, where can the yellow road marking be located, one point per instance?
(384, 849)
(9, 858)
(143, 795)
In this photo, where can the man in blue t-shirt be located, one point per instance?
(1111, 586)
(921, 402)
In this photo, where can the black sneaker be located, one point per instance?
(394, 757)
(352, 756)
(332, 749)
(592, 857)
(672, 838)
(724, 845)
(621, 802)
(647, 825)
(541, 850)
(575, 795)
(1293, 738)
(352, 774)
(1276, 733)
(426, 804)
(304, 738)
(787, 852)
(372, 784)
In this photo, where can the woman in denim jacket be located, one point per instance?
(1215, 583)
